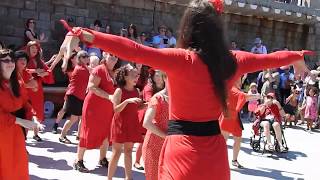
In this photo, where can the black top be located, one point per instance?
(26, 39)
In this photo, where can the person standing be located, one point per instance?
(76, 93)
(13, 95)
(41, 73)
(97, 113)
(156, 122)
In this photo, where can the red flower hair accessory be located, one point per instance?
(218, 5)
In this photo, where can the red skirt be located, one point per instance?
(192, 157)
(13, 154)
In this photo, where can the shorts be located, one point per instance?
(73, 106)
(290, 109)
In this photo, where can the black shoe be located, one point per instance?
(235, 163)
(37, 138)
(79, 166)
(138, 166)
(64, 140)
(55, 128)
(104, 162)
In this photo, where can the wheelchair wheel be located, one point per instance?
(256, 146)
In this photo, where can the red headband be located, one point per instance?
(218, 5)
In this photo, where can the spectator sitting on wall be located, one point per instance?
(234, 45)
(258, 48)
(161, 40)
(172, 39)
(143, 39)
(133, 33)
(30, 33)
(108, 29)
(2, 46)
(93, 50)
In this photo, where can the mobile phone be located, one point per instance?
(165, 41)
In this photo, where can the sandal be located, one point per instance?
(79, 166)
(104, 162)
(235, 163)
(283, 149)
(64, 140)
(37, 138)
(270, 147)
(138, 166)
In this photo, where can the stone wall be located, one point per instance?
(119, 13)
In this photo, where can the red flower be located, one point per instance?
(218, 5)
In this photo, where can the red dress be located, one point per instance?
(97, 112)
(152, 143)
(37, 97)
(13, 153)
(125, 124)
(191, 157)
(147, 93)
(236, 100)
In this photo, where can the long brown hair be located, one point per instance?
(38, 56)
(201, 30)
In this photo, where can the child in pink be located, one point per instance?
(311, 112)
(253, 104)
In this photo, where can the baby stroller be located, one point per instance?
(258, 138)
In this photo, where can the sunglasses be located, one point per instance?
(86, 56)
(7, 60)
(32, 22)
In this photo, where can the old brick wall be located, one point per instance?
(119, 13)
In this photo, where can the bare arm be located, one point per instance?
(93, 86)
(252, 97)
(147, 122)
(118, 106)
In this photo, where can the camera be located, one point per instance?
(165, 41)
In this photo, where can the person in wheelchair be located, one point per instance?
(269, 115)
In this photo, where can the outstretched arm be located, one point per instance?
(163, 59)
(249, 62)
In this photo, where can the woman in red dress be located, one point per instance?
(125, 124)
(22, 59)
(200, 72)
(13, 153)
(232, 124)
(156, 121)
(76, 93)
(41, 74)
(155, 84)
(97, 113)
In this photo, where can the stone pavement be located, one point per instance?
(52, 160)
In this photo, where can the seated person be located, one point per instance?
(271, 113)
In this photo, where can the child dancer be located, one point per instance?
(125, 125)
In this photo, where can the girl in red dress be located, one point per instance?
(200, 72)
(41, 74)
(156, 121)
(97, 113)
(125, 124)
(232, 124)
(13, 95)
(76, 93)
